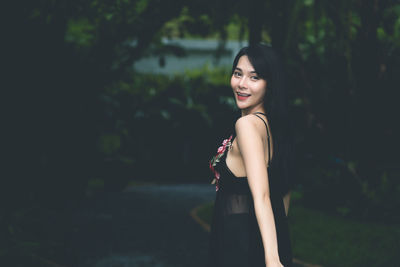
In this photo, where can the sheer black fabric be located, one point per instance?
(235, 238)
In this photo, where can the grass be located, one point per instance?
(328, 240)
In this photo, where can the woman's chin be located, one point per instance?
(241, 106)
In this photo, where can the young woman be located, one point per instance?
(252, 169)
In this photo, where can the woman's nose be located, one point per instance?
(242, 82)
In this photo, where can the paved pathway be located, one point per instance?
(144, 226)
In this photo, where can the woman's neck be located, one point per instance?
(246, 112)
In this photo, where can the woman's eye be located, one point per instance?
(237, 74)
(255, 77)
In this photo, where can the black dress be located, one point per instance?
(235, 238)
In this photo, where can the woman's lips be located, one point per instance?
(241, 96)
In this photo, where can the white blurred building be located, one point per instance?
(198, 54)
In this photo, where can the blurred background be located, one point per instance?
(104, 100)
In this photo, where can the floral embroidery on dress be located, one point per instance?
(213, 162)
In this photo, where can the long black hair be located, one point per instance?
(268, 66)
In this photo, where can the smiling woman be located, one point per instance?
(252, 169)
(247, 86)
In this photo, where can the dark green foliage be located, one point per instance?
(165, 121)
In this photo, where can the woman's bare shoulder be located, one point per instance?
(249, 123)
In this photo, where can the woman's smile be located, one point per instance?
(242, 96)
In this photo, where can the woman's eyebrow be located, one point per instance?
(239, 69)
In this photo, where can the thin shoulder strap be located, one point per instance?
(268, 135)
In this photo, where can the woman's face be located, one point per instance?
(248, 88)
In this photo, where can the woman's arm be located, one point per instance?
(251, 147)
